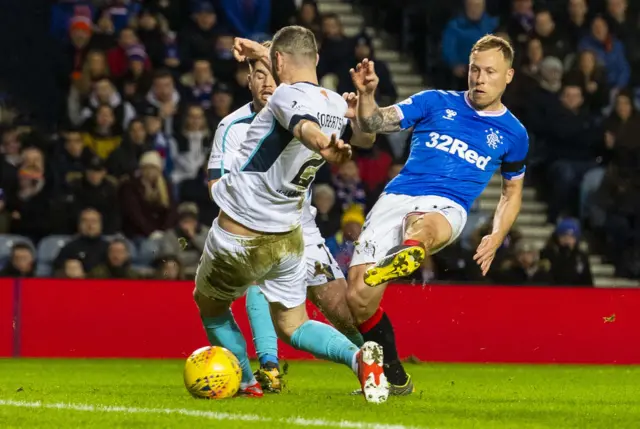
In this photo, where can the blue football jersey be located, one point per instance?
(455, 149)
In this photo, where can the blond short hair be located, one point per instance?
(296, 41)
(490, 42)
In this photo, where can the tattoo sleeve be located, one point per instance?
(382, 120)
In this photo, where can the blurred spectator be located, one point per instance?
(121, 12)
(329, 213)
(221, 103)
(62, 13)
(553, 41)
(224, 65)
(569, 262)
(151, 32)
(248, 18)
(136, 82)
(392, 171)
(573, 138)
(520, 24)
(21, 262)
(592, 78)
(123, 161)
(578, 24)
(308, 17)
(147, 201)
(336, 50)
(461, 33)
(525, 269)
(104, 32)
(117, 57)
(166, 98)
(240, 86)
(544, 98)
(117, 264)
(88, 247)
(185, 241)
(386, 93)
(197, 191)
(72, 269)
(623, 112)
(200, 83)
(95, 67)
(5, 215)
(105, 93)
(609, 51)
(283, 13)
(11, 146)
(27, 206)
(168, 268)
(190, 145)
(156, 136)
(341, 245)
(349, 187)
(99, 191)
(198, 39)
(80, 30)
(103, 134)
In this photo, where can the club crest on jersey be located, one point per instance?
(493, 138)
(450, 114)
(324, 93)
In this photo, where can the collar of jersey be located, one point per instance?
(481, 112)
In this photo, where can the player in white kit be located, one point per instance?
(326, 282)
(257, 238)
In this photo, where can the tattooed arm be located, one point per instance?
(375, 119)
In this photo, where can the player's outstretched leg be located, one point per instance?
(264, 339)
(326, 342)
(222, 330)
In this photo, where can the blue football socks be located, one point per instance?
(264, 334)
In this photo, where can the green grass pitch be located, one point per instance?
(49, 393)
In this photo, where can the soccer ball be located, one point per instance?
(212, 373)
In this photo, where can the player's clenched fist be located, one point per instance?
(337, 152)
(244, 49)
(364, 77)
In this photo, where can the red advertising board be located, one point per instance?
(63, 318)
(6, 317)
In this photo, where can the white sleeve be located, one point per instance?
(224, 151)
(290, 105)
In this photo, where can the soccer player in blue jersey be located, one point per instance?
(459, 140)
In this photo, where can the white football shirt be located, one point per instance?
(267, 191)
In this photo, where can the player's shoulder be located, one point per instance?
(243, 115)
(436, 96)
(516, 126)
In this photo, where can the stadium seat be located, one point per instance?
(149, 250)
(6, 243)
(48, 250)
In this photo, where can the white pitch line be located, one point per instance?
(211, 415)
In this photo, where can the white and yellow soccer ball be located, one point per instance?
(212, 373)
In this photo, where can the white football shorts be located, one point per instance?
(231, 263)
(384, 225)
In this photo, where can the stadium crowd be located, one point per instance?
(118, 188)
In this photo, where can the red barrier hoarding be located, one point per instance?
(7, 305)
(63, 318)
